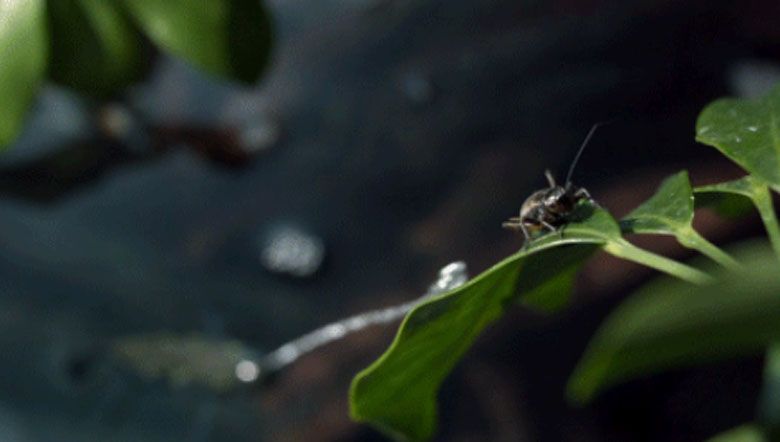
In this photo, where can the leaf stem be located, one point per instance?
(762, 198)
(694, 240)
(624, 249)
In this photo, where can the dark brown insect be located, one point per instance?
(550, 208)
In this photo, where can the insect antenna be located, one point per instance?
(582, 148)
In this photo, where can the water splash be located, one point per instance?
(451, 276)
(223, 365)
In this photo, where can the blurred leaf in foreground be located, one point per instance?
(94, 46)
(231, 38)
(23, 52)
(769, 402)
(669, 323)
(744, 433)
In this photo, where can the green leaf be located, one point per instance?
(610, 234)
(23, 54)
(548, 292)
(729, 206)
(744, 433)
(670, 212)
(230, 38)
(397, 393)
(757, 191)
(95, 48)
(668, 323)
(746, 131)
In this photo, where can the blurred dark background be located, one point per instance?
(390, 137)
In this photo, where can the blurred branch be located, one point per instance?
(83, 163)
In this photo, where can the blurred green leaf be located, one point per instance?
(668, 323)
(23, 52)
(231, 38)
(757, 191)
(397, 393)
(95, 48)
(670, 212)
(744, 433)
(746, 131)
(769, 402)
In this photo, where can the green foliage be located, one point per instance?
(669, 323)
(23, 52)
(746, 131)
(98, 47)
(744, 433)
(727, 205)
(670, 212)
(755, 190)
(228, 38)
(398, 392)
(666, 324)
(95, 49)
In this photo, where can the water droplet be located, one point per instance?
(247, 371)
(335, 331)
(287, 353)
(453, 275)
(291, 251)
(752, 128)
(704, 129)
(737, 138)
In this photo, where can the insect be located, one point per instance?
(550, 208)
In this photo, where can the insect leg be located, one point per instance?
(548, 226)
(527, 235)
(583, 193)
(516, 223)
(551, 228)
(512, 224)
